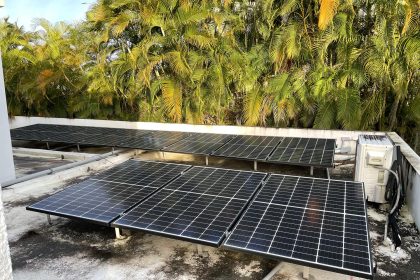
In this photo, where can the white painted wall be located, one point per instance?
(5, 262)
(411, 170)
(7, 167)
(7, 172)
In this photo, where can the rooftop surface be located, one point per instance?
(76, 250)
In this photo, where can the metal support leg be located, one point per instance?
(163, 156)
(78, 148)
(328, 173)
(207, 160)
(255, 165)
(311, 171)
(48, 146)
(118, 234)
(49, 219)
(305, 273)
(201, 252)
(386, 242)
(273, 272)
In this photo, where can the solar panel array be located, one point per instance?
(201, 205)
(315, 222)
(280, 150)
(103, 198)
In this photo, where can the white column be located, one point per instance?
(5, 263)
(7, 166)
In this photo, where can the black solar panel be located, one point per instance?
(293, 151)
(99, 136)
(106, 196)
(199, 143)
(249, 147)
(199, 206)
(316, 222)
(88, 130)
(47, 127)
(153, 141)
(27, 135)
(304, 151)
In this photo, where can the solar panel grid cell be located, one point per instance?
(201, 205)
(155, 140)
(248, 147)
(304, 151)
(26, 135)
(98, 201)
(104, 197)
(199, 143)
(307, 220)
(143, 173)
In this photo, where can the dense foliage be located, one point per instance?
(351, 64)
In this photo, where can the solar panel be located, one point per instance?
(89, 130)
(294, 151)
(103, 198)
(304, 151)
(99, 136)
(156, 140)
(27, 135)
(199, 206)
(315, 222)
(199, 143)
(46, 127)
(249, 147)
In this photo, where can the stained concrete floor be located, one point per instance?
(77, 250)
(26, 165)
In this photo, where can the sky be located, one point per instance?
(25, 11)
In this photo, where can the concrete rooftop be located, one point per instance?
(76, 250)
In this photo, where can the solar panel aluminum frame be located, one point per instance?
(191, 239)
(303, 262)
(78, 218)
(180, 237)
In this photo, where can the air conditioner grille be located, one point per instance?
(374, 139)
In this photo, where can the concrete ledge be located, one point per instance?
(51, 154)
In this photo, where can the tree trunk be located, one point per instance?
(393, 114)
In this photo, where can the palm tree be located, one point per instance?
(349, 64)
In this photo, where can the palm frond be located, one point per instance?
(172, 99)
(253, 105)
(326, 115)
(348, 108)
(327, 11)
